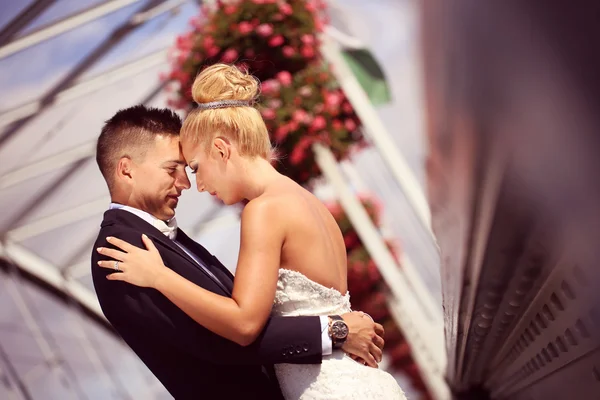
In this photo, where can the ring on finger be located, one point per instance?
(367, 315)
(116, 267)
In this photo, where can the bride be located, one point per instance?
(292, 257)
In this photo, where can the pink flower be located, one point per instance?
(276, 41)
(281, 133)
(264, 30)
(337, 124)
(350, 125)
(318, 123)
(347, 107)
(288, 51)
(305, 91)
(249, 53)
(319, 25)
(307, 39)
(286, 8)
(299, 116)
(213, 51)
(278, 17)
(285, 78)
(208, 42)
(268, 113)
(230, 55)
(299, 153)
(308, 51)
(245, 27)
(274, 103)
(195, 22)
(184, 42)
(230, 9)
(270, 86)
(332, 99)
(182, 58)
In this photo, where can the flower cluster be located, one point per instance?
(266, 36)
(368, 289)
(305, 108)
(277, 41)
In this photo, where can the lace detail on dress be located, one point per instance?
(298, 295)
(338, 376)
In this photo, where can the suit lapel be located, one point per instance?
(123, 216)
(215, 265)
(174, 247)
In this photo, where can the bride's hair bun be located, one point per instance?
(241, 123)
(224, 82)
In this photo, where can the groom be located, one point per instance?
(139, 156)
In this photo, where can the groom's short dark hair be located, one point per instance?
(129, 133)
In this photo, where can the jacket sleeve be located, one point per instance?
(144, 311)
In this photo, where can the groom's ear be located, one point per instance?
(222, 148)
(124, 168)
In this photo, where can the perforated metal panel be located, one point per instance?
(515, 195)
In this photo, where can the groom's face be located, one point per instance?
(159, 178)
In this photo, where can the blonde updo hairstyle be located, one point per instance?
(243, 125)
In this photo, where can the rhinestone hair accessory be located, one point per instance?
(225, 104)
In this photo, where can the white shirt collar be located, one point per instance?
(169, 228)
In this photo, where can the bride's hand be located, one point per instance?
(133, 265)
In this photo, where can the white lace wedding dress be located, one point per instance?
(339, 376)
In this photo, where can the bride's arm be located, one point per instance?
(242, 317)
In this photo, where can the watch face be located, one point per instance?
(339, 330)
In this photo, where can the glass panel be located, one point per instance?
(89, 361)
(21, 198)
(10, 9)
(156, 34)
(58, 11)
(29, 74)
(399, 218)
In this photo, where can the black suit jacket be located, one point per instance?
(191, 361)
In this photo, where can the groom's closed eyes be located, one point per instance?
(173, 165)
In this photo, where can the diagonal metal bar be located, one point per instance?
(39, 200)
(66, 24)
(22, 388)
(49, 273)
(24, 18)
(100, 51)
(88, 86)
(44, 340)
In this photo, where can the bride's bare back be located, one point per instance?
(313, 244)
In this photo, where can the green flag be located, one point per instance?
(369, 75)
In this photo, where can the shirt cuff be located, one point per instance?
(326, 342)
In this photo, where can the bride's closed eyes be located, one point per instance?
(193, 167)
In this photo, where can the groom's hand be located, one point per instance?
(365, 338)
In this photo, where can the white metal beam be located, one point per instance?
(433, 309)
(50, 274)
(424, 336)
(88, 86)
(376, 130)
(47, 164)
(82, 18)
(59, 220)
(63, 26)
